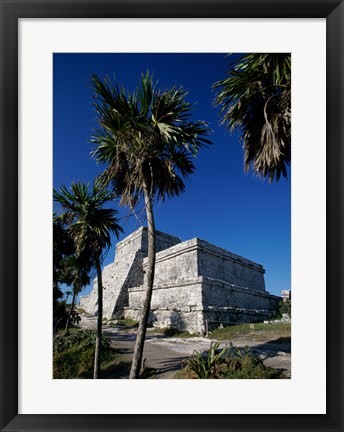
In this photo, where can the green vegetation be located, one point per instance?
(240, 364)
(284, 307)
(89, 226)
(74, 356)
(258, 331)
(233, 363)
(255, 98)
(128, 322)
(205, 367)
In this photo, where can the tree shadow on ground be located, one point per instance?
(116, 371)
(170, 365)
(273, 347)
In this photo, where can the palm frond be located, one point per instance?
(255, 98)
(141, 132)
(89, 224)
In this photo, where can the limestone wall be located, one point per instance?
(125, 272)
(217, 293)
(187, 305)
(197, 257)
(196, 281)
(117, 277)
(217, 263)
(223, 302)
(176, 305)
(138, 241)
(177, 263)
(185, 296)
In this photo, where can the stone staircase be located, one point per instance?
(117, 278)
(125, 272)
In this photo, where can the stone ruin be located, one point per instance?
(196, 285)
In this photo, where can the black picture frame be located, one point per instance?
(11, 11)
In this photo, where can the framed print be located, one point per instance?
(38, 41)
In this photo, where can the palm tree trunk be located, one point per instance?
(99, 321)
(70, 311)
(141, 333)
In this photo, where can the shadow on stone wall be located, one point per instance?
(134, 278)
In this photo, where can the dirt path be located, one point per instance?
(161, 358)
(164, 356)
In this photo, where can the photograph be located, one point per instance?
(171, 212)
(171, 215)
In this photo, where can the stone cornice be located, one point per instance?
(197, 244)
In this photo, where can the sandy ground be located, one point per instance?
(166, 355)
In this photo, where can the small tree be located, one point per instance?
(284, 307)
(90, 226)
(67, 294)
(63, 249)
(78, 277)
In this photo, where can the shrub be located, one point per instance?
(85, 338)
(258, 371)
(241, 364)
(74, 354)
(75, 317)
(128, 322)
(205, 365)
(284, 307)
(229, 364)
(60, 315)
(74, 363)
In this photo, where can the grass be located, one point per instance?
(259, 332)
(128, 322)
(74, 357)
(117, 367)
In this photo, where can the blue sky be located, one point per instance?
(238, 211)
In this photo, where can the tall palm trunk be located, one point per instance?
(141, 333)
(99, 321)
(70, 311)
(67, 298)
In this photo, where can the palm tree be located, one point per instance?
(68, 293)
(77, 276)
(147, 143)
(67, 270)
(63, 249)
(90, 226)
(256, 98)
